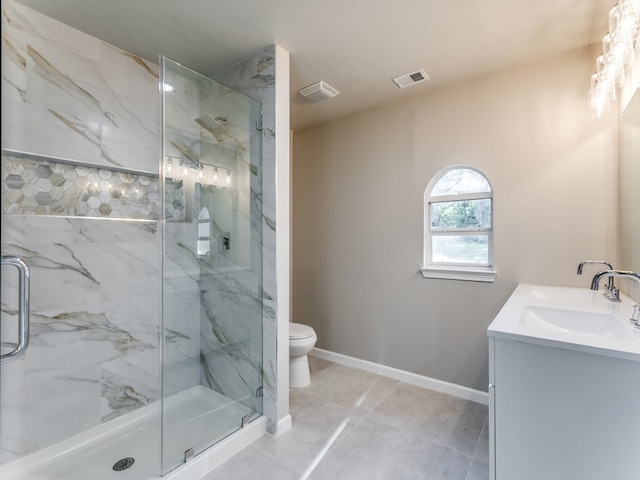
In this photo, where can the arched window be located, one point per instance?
(458, 226)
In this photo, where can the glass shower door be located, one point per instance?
(84, 394)
(212, 264)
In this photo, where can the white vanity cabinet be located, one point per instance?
(562, 408)
(560, 414)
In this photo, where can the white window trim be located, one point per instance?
(472, 274)
(450, 271)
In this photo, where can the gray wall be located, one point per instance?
(358, 185)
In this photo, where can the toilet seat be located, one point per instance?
(298, 331)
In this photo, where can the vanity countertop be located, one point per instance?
(573, 318)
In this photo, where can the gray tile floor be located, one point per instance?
(354, 425)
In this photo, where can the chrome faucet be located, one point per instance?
(635, 310)
(595, 283)
(610, 291)
(592, 262)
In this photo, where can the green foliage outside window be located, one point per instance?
(461, 214)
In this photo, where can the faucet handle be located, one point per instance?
(614, 294)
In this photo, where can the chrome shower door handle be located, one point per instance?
(23, 308)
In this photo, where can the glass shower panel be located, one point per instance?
(212, 265)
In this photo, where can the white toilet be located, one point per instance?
(302, 339)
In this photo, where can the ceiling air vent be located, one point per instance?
(412, 78)
(318, 92)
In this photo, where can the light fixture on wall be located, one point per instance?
(198, 173)
(618, 54)
(168, 170)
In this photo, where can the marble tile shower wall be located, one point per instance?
(69, 95)
(85, 113)
(231, 334)
(255, 78)
(75, 104)
(228, 283)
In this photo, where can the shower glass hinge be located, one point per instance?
(259, 392)
(188, 454)
(259, 124)
(245, 420)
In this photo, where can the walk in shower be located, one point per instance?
(131, 258)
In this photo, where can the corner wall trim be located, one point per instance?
(453, 389)
(284, 424)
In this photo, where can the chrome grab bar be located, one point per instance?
(23, 308)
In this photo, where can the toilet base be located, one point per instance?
(299, 375)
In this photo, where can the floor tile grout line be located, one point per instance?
(271, 456)
(422, 437)
(356, 428)
(332, 402)
(485, 424)
(429, 439)
(472, 455)
(389, 393)
(358, 370)
(396, 386)
(355, 412)
(337, 442)
(321, 372)
(346, 435)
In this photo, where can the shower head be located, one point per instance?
(214, 125)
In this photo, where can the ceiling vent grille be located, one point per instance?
(411, 78)
(318, 92)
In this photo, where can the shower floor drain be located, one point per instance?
(123, 464)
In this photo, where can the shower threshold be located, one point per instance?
(194, 417)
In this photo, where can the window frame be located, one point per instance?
(456, 270)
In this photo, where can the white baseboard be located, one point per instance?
(284, 424)
(413, 378)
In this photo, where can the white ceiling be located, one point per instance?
(356, 46)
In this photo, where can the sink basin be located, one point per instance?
(571, 318)
(558, 320)
(560, 294)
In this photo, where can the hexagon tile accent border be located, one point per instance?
(32, 185)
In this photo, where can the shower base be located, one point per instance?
(193, 417)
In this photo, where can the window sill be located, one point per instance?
(479, 274)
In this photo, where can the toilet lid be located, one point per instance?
(298, 331)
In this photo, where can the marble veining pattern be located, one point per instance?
(231, 335)
(255, 78)
(94, 325)
(69, 95)
(94, 349)
(227, 282)
(95, 284)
